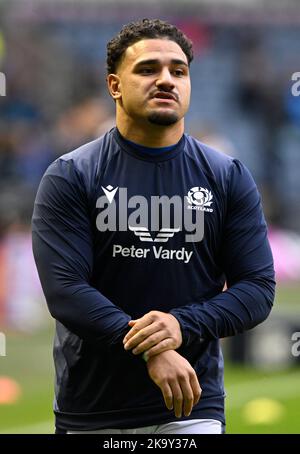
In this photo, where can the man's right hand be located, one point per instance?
(177, 380)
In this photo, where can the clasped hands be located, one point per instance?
(154, 333)
(157, 335)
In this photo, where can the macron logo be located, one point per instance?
(110, 192)
(163, 235)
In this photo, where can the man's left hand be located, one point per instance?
(154, 333)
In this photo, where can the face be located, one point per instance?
(152, 83)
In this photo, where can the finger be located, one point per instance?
(196, 388)
(163, 346)
(150, 341)
(177, 398)
(188, 396)
(168, 396)
(132, 332)
(138, 325)
(140, 336)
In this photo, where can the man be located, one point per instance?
(134, 235)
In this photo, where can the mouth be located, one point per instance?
(165, 96)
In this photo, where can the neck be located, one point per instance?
(150, 135)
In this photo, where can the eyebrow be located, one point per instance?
(155, 62)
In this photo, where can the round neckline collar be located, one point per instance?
(148, 156)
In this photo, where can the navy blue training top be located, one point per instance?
(118, 232)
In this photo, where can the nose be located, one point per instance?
(165, 80)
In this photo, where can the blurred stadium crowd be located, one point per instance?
(54, 63)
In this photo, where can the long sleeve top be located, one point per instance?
(118, 232)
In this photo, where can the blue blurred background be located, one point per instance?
(52, 54)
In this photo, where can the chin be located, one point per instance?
(163, 118)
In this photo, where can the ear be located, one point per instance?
(114, 86)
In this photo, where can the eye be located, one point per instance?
(146, 71)
(178, 72)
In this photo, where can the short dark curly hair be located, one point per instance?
(144, 29)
